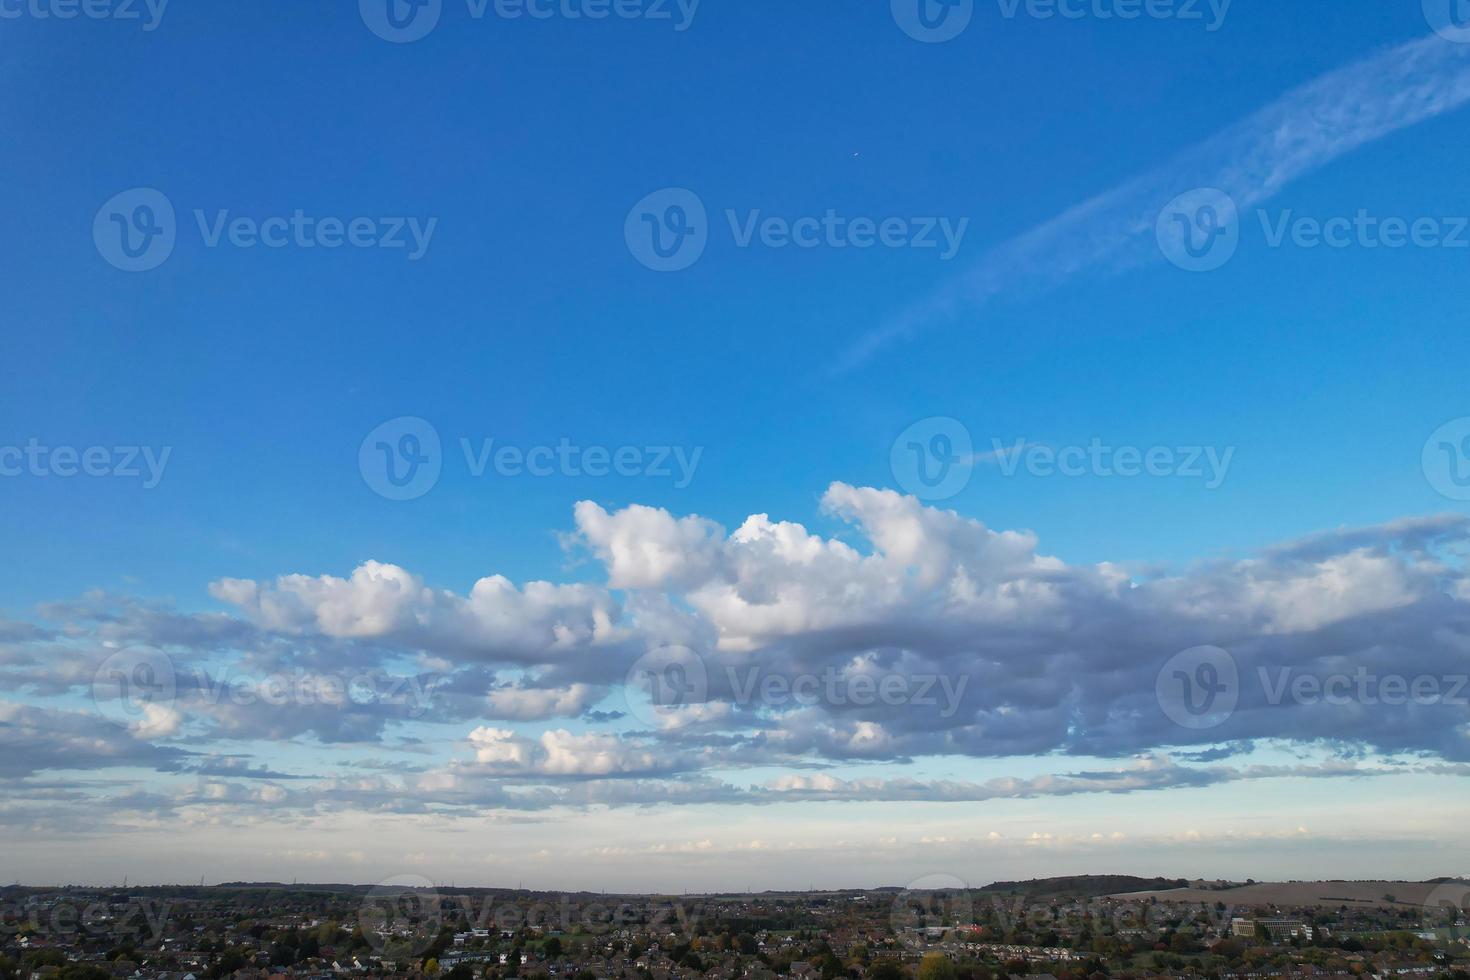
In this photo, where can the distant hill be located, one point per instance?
(1085, 885)
(1268, 894)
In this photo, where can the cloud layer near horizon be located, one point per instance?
(910, 633)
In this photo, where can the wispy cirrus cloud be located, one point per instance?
(1251, 161)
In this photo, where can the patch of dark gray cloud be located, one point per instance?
(19, 631)
(1216, 753)
(341, 723)
(235, 767)
(604, 717)
(399, 766)
(121, 620)
(35, 740)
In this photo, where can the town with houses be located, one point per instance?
(1050, 929)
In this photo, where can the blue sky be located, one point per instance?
(528, 320)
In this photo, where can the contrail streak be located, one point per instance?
(1251, 161)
